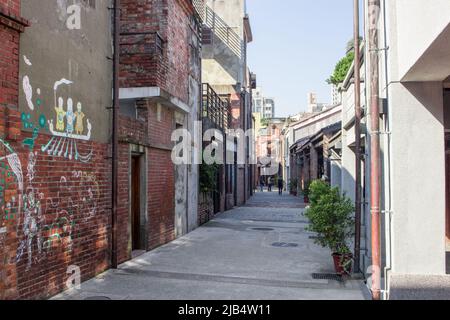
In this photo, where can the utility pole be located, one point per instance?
(357, 77)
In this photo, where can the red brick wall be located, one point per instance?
(161, 198)
(161, 176)
(154, 132)
(142, 65)
(123, 208)
(61, 215)
(205, 209)
(178, 50)
(63, 219)
(9, 119)
(10, 7)
(9, 55)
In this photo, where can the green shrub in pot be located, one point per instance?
(331, 218)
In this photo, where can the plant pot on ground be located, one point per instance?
(293, 184)
(305, 193)
(343, 263)
(331, 218)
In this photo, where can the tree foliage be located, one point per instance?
(341, 69)
(265, 122)
(208, 177)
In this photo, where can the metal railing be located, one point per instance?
(223, 31)
(215, 108)
(199, 6)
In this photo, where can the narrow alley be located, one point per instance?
(135, 136)
(259, 251)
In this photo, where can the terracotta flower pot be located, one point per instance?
(305, 199)
(342, 264)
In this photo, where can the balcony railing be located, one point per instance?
(215, 108)
(199, 6)
(223, 31)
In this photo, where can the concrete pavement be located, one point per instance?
(259, 251)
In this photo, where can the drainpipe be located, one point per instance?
(115, 141)
(375, 178)
(357, 139)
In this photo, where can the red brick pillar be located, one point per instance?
(11, 25)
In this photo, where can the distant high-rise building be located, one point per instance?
(262, 105)
(269, 108)
(336, 97)
(313, 105)
(258, 100)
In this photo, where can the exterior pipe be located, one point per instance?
(375, 179)
(388, 216)
(357, 76)
(115, 142)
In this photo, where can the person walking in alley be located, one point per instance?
(270, 183)
(261, 184)
(280, 186)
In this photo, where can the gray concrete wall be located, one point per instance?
(418, 189)
(224, 61)
(424, 20)
(195, 97)
(51, 50)
(416, 122)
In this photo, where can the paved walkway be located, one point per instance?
(259, 251)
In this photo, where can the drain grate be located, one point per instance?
(99, 298)
(263, 229)
(284, 245)
(327, 276)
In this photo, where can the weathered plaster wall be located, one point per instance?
(224, 60)
(50, 52)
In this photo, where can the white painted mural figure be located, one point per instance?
(60, 114)
(70, 116)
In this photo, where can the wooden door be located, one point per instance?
(136, 203)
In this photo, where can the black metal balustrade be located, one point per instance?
(215, 108)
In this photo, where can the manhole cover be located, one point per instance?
(263, 229)
(285, 245)
(327, 276)
(99, 298)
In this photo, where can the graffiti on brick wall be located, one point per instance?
(32, 214)
(10, 176)
(76, 202)
(69, 126)
(45, 221)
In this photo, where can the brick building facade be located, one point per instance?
(160, 85)
(55, 184)
(55, 137)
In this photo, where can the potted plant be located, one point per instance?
(331, 218)
(306, 193)
(293, 184)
